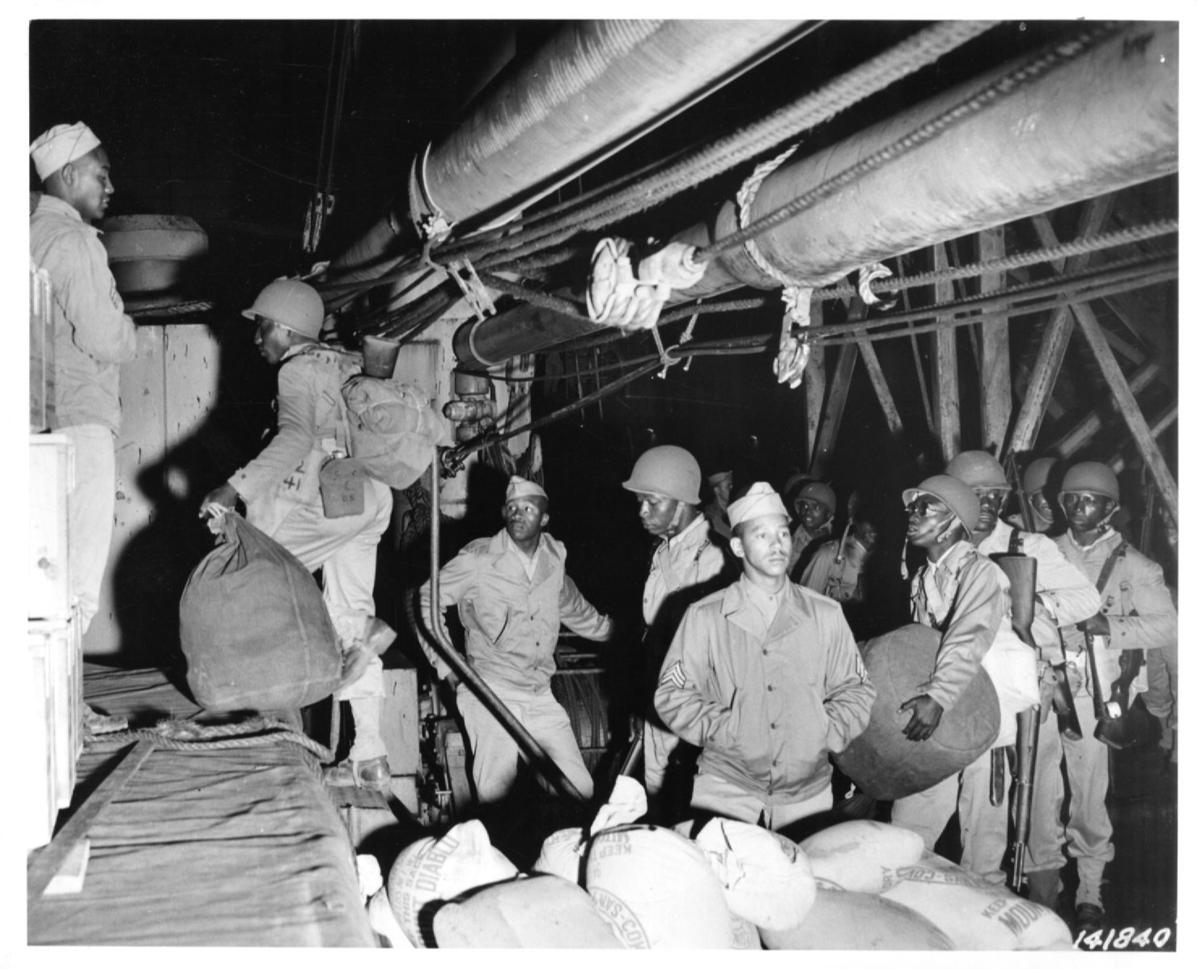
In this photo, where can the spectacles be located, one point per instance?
(992, 495)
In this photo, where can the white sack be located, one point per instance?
(856, 921)
(860, 856)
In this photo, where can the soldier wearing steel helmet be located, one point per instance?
(960, 593)
(1039, 481)
(687, 563)
(814, 511)
(1135, 612)
(1063, 595)
(281, 492)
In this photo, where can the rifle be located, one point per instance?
(1117, 725)
(1021, 570)
(853, 501)
(1063, 701)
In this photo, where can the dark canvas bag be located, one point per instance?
(254, 627)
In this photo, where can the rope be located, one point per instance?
(744, 200)
(926, 132)
(902, 60)
(188, 735)
(1084, 246)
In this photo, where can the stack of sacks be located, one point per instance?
(766, 879)
(537, 912)
(973, 913)
(656, 889)
(430, 871)
(860, 856)
(850, 863)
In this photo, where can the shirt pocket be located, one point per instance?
(488, 616)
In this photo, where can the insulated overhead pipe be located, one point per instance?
(1105, 120)
(592, 89)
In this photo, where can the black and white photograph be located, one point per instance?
(504, 482)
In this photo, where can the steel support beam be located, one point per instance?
(1083, 432)
(833, 413)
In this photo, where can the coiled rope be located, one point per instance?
(187, 735)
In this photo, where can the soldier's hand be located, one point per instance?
(1097, 625)
(925, 714)
(225, 496)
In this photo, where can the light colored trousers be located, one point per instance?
(91, 505)
(720, 796)
(495, 754)
(983, 826)
(1088, 831)
(347, 549)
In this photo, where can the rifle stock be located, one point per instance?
(1021, 571)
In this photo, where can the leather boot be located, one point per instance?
(1044, 887)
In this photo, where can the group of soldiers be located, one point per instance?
(759, 677)
(748, 663)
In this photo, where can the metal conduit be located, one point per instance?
(596, 85)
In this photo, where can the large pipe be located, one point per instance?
(1101, 122)
(593, 88)
(1105, 120)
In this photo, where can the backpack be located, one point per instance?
(394, 429)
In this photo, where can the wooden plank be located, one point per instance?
(833, 414)
(1158, 426)
(1124, 398)
(947, 381)
(892, 418)
(1055, 338)
(996, 403)
(45, 862)
(814, 384)
(1084, 431)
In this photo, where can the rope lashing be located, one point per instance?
(190, 736)
(793, 349)
(744, 199)
(928, 131)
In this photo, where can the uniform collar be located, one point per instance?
(53, 203)
(1109, 535)
(792, 607)
(950, 558)
(695, 532)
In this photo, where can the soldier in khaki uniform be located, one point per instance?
(1136, 612)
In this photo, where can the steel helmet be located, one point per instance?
(820, 492)
(977, 469)
(1092, 476)
(666, 470)
(295, 305)
(954, 493)
(1035, 477)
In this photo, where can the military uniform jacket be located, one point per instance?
(511, 621)
(766, 705)
(311, 424)
(1135, 600)
(92, 334)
